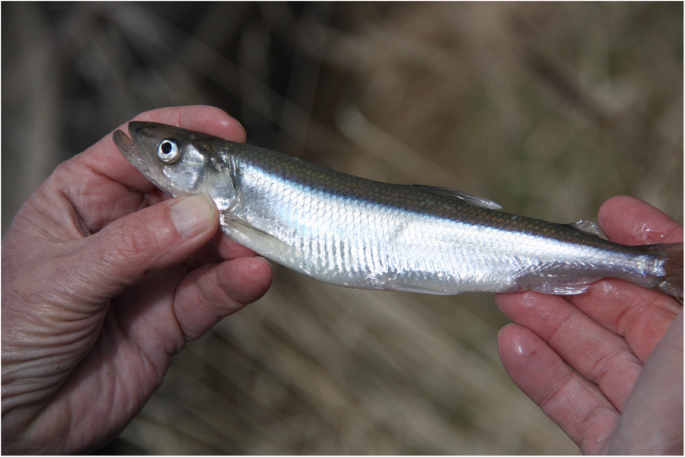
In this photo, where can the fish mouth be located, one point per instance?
(129, 150)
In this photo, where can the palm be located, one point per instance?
(586, 359)
(126, 364)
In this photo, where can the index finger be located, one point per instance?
(102, 186)
(628, 220)
(104, 158)
(640, 315)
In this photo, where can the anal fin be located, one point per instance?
(568, 287)
(399, 287)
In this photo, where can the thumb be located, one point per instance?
(150, 239)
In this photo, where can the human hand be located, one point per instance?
(95, 299)
(607, 365)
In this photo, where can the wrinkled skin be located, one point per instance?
(96, 299)
(607, 365)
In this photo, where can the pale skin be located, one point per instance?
(607, 365)
(96, 298)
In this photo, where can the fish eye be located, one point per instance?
(168, 151)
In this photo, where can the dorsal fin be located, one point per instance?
(588, 227)
(465, 196)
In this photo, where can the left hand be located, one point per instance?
(96, 299)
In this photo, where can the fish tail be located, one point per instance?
(672, 280)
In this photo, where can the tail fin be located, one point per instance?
(672, 281)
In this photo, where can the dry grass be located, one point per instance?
(548, 109)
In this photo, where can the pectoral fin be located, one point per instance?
(258, 240)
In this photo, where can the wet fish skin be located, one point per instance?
(355, 232)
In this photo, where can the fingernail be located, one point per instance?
(192, 215)
(500, 330)
(265, 261)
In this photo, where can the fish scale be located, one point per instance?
(355, 232)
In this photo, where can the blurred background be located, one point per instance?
(546, 108)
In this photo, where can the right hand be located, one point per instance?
(607, 365)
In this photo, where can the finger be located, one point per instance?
(206, 119)
(229, 249)
(213, 292)
(628, 220)
(148, 240)
(658, 396)
(103, 186)
(577, 406)
(590, 349)
(640, 315)
(221, 248)
(106, 159)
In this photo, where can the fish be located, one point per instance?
(354, 232)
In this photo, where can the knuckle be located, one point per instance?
(134, 243)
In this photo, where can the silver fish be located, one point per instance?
(354, 232)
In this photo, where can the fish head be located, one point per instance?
(174, 159)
